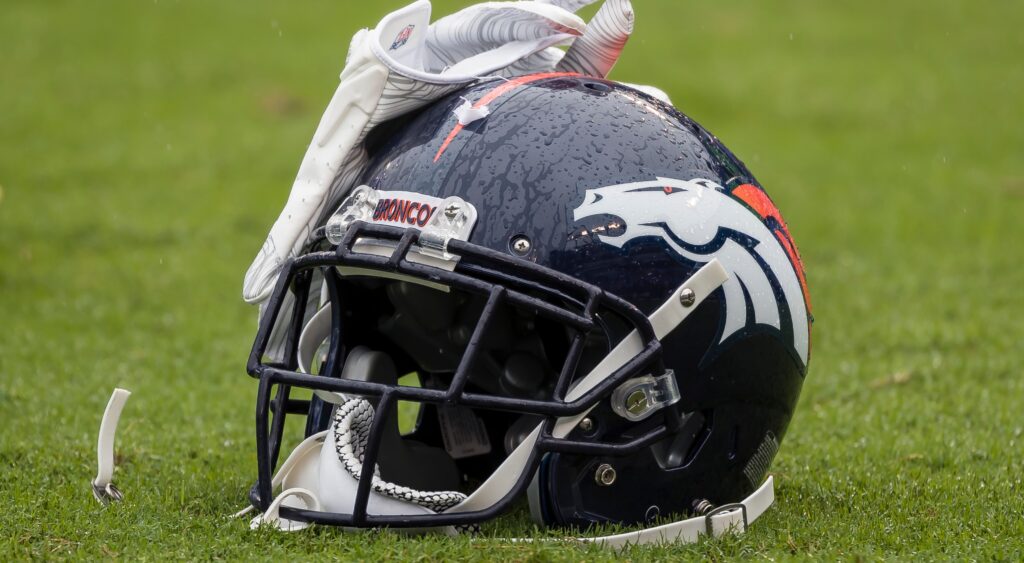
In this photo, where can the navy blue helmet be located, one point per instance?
(554, 287)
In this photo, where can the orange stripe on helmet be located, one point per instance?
(759, 201)
(501, 89)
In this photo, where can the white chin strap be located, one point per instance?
(327, 477)
(730, 518)
(102, 486)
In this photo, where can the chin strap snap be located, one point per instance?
(102, 487)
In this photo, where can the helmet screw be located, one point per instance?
(605, 475)
(587, 424)
(452, 210)
(687, 297)
(520, 245)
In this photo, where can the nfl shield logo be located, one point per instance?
(403, 37)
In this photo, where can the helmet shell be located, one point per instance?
(529, 167)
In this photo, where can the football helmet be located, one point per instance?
(550, 286)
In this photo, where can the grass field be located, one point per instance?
(145, 148)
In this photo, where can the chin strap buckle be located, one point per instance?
(106, 493)
(709, 522)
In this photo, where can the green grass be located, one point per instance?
(145, 148)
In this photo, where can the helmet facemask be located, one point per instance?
(510, 356)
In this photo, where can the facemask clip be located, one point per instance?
(640, 397)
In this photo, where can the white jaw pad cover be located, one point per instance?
(313, 478)
(299, 481)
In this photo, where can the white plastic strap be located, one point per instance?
(313, 334)
(297, 460)
(102, 487)
(272, 516)
(720, 521)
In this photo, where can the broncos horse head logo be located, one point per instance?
(700, 221)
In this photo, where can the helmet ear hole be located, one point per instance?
(679, 449)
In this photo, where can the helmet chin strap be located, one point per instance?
(724, 519)
(318, 477)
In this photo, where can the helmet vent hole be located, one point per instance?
(597, 87)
